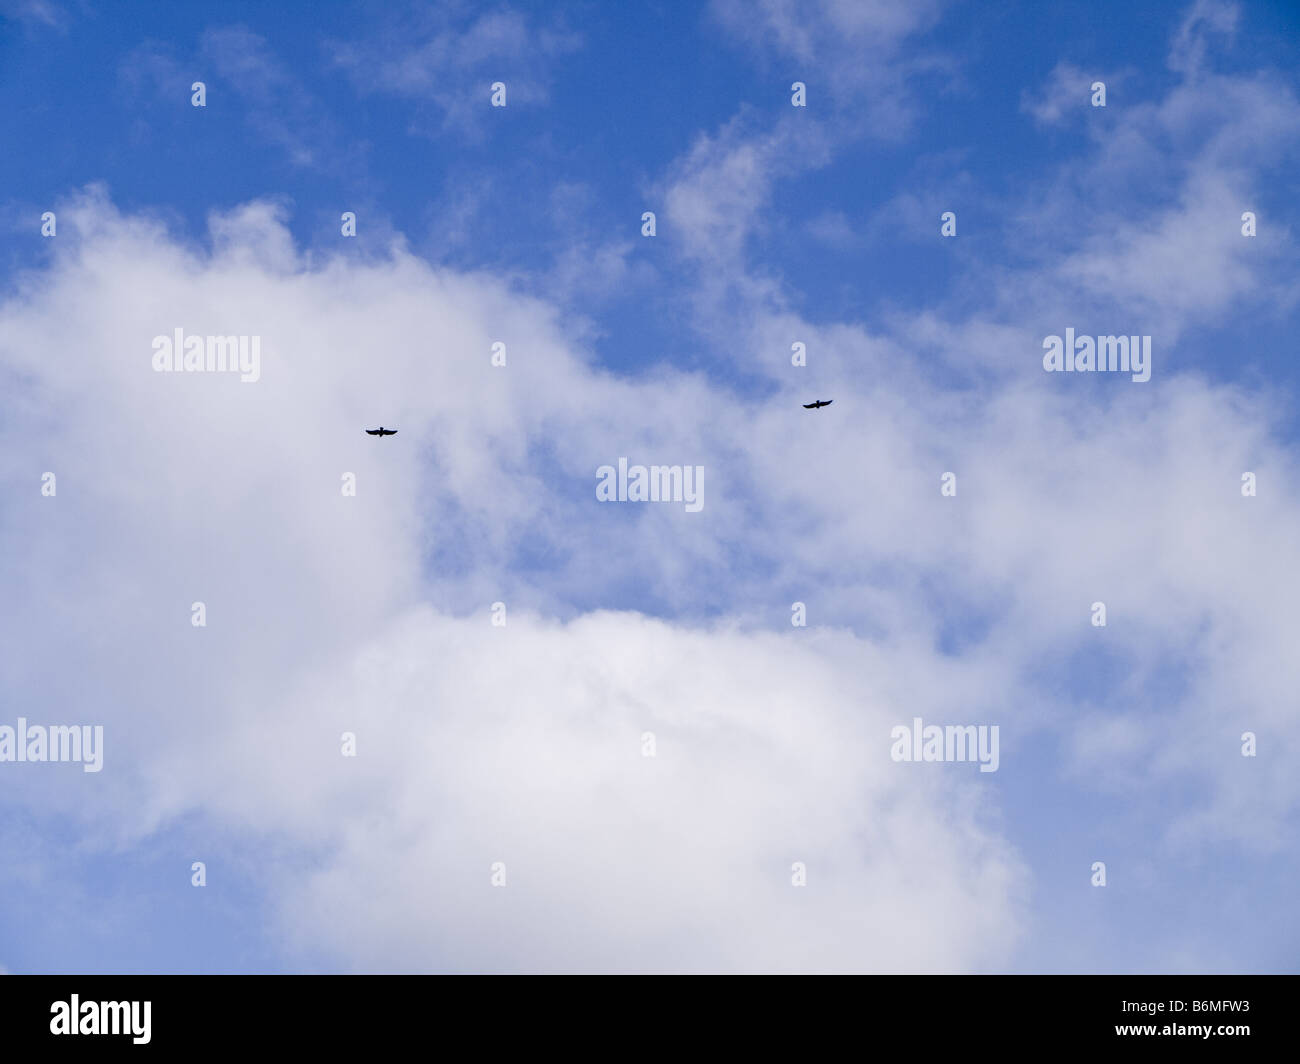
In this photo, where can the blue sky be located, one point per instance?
(775, 225)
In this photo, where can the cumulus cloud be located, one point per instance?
(477, 744)
(1176, 452)
(523, 744)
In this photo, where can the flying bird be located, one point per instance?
(381, 431)
(818, 405)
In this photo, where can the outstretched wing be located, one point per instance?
(810, 406)
(374, 432)
(828, 402)
(388, 432)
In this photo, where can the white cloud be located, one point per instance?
(449, 58)
(35, 14)
(240, 66)
(527, 752)
(477, 744)
(1203, 18)
(280, 108)
(521, 744)
(848, 52)
(1067, 93)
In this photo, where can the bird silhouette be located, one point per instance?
(381, 431)
(818, 405)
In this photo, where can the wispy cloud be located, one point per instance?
(239, 65)
(849, 52)
(1067, 93)
(450, 55)
(36, 14)
(1205, 19)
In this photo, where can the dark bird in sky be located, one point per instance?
(818, 405)
(381, 431)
